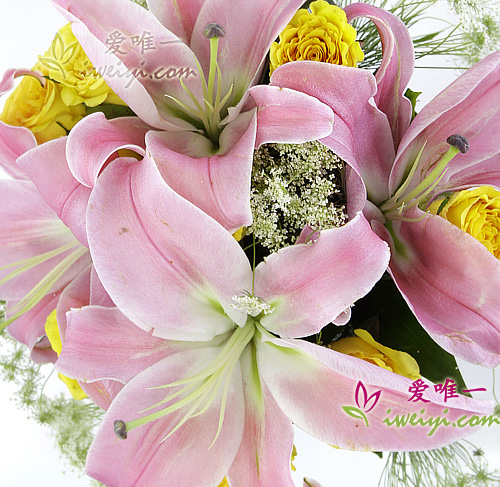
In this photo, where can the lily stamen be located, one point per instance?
(209, 111)
(42, 288)
(199, 390)
(400, 202)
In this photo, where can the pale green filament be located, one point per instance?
(395, 206)
(42, 288)
(201, 389)
(208, 112)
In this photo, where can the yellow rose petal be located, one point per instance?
(322, 35)
(364, 347)
(52, 332)
(475, 211)
(66, 63)
(40, 109)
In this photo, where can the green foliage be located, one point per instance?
(413, 97)
(111, 111)
(142, 3)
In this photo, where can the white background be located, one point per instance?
(28, 456)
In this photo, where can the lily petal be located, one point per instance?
(278, 110)
(186, 457)
(217, 184)
(450, 282)
(371, 154)
(9, 78)
(470, 107)
(30, 329)
(135, 210)
(178, 16)
(47, 167)
(29, 229)
(14, 141)
(396, 70)
(288, 366)
(98, 295)
(266, 448)
(310, 285)
(75, 295)
(122, 351)
(95, 139)
(102, 392)
(251, 28)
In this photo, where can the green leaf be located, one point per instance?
(412, 96)
(400, 330)
(355, 413)
(112, 111)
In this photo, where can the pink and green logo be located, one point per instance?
(364, 402)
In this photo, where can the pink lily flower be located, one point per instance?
(40, 255)
(449, 280)
(47, 224)
(213, 374)
(188, 69)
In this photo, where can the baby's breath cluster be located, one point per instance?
(294, 185)
(72, 423)
(460, 464)
(480, 21)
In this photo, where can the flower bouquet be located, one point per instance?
(219, 226)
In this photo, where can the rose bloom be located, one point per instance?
(40, 109)
(320, 35)
(66, 63)
(364, 347)
(475, 211)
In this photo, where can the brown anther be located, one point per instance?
(458, 141)
(120, 429)
(214, 30)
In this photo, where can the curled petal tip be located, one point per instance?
(214, 30)
(120, 429)
(458, 141)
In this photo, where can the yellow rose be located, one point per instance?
(364, 347)
(320, 35)
(66, 62)
(52, 332)
(476, 212)
(40, 109)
